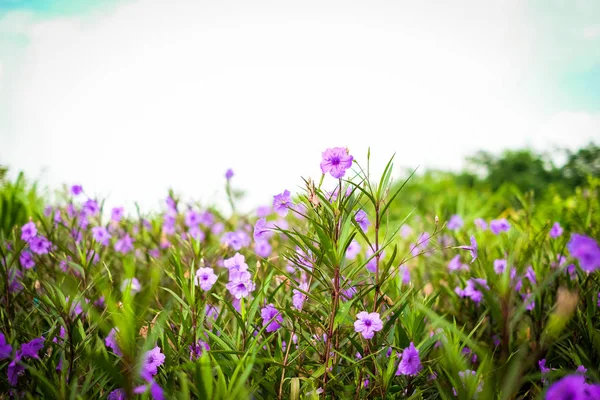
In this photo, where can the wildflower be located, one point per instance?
(472, 249)
(499, 225)
(455, 223)
(571, 387)
(196, 233)
(499, 266)
(349, 293)
(530, 274)
(229, 174)
(237, 263)
(40, 245)
(133, 283)
(362, 220)
(556, 230)
(28, 231)
(282, 202)
(367, 324)
(28, 350)
(5, 348)
(298, 297)
(26, 259)
(404, 273)
(456, 265)
(76, 190)
(111, 341)
(410, 364)
(14, 280)
(263, 211)
(168, 226)
(101, 235)
(192, 218)
(581, 370)
(372, 263)
(261, 230)
(152, 360)
(124, 245)
(91, 208)
(197, 349)
(117, 394)
(117, 214)
(543, 369)
(353, 250)
(236, 240)
(240, 284)
(480, 223)
(336, 161)
(262, 248)
(586, 250)
(205, 278)
(271, 318)
(529, 301)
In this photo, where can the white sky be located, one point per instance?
(172, 93)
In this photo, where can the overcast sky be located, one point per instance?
(129, 98)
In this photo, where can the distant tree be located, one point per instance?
(581, 164)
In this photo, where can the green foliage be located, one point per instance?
(19, 201)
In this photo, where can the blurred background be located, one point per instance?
(129, 98)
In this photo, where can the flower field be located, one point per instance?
(351, 286)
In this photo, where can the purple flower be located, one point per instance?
(367, 324)
(282, 202)
(556, 230)
(133, 283)
(353, 250)
(405, 231)
(76, 190)
(101, 235)
(26, 259)
(236, 240)
(261, 231)
(28, 231)
(298, 297)
(456, 265)
(455, 223)
(263, 211)
(14, 280)
(271, 317)
(237, 263)
(32, 348)
(192, 218)
(205, 278)
(499, 225)
(410, 363)
(480, 223)
(5, 348)
(111, 341)
(529, 301)
(15, 369)
(542, 365)
(472, 249)
(124, 245)
(168, 224)
(40, 245)
(404, 273)
(229, 174)
(262, 248)
(240, 284)
(530, 274)
(197, 234)
(91, 208)
(336, 161)
(197, 349)
(371, 265)
(586, 250)
(152, 360)
(362, 220)
(117, 214)
(117, 394)
(581, 370)
(207, 218)
(571, 387)
(499, 266)
(349, 293)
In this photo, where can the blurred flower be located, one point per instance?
(152, 360)
(367, 324)
(371, 265)
(262, 248)
(472, 249)
(240, 284)
(271, 318)
(456, 265)
(499, 225)
(499, 266)
(353, 250)
(571, 387)
(480, 224)
(236, 240)
(581, 370)
(336, 161)
(205, 278)
(197, 234)
(298, 297)
(124, 245)
(192, 218)
(405, 231)
(229, 174)
(40, 245)
(26, 259)
(362, 220)
(529, 301)
(586, 251)
(117, 394)
(91, 208)
(197, 349)
(134, 283)
(101, 235)
(282, 202)
(530, 274)
(5, 348)
(455, 223)
(404, 273)
(76, 190)
(261, 230)
(111, 341)
(556, 230)
(410, 364)
(263, 211)
(237, 263)
(117, 214)
(28, 231)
